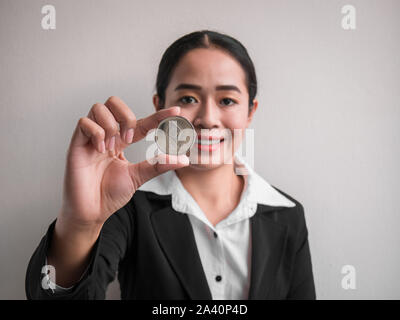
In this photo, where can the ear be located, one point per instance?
(252, 111)
(156, 102)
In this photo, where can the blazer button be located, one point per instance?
(218, 278)
(215, 235)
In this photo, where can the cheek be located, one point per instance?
(237, 120)
(237, 125)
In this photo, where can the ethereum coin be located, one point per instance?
(175, 135)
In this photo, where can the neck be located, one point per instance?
(219, 186)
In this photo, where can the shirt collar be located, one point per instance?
(257, 190)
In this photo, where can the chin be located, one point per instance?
(203, 167)
(208, 163)
(208, 160)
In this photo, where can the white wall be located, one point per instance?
(327, 126)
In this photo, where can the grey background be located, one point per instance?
(327, 126)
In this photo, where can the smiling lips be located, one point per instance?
(208, 143)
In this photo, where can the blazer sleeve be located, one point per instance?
(302, 282)
(109, 249)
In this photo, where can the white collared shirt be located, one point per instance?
(225, 250)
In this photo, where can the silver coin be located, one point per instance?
(175, 135)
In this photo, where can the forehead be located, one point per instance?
(209, 66)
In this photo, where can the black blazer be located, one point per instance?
(154, 251)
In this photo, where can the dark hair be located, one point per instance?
(204, 39)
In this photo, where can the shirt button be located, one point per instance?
(215, 235)
(218, 278)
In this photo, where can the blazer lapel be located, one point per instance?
(268, 244)
(175, 233)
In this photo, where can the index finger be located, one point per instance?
(143, 126)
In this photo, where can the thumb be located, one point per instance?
(143, 171)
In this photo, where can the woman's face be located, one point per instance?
(210, 87)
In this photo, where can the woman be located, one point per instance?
(183, 229)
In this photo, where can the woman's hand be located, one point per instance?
(99, 181)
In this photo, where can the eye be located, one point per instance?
(187, 99)
(227, 100)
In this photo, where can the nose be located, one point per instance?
(207, 116)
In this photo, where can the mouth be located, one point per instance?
(209, 143)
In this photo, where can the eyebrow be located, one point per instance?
(196, 87)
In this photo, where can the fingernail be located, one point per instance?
(129, 135)
(184, 159)
(102, 147)
(111, 143)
